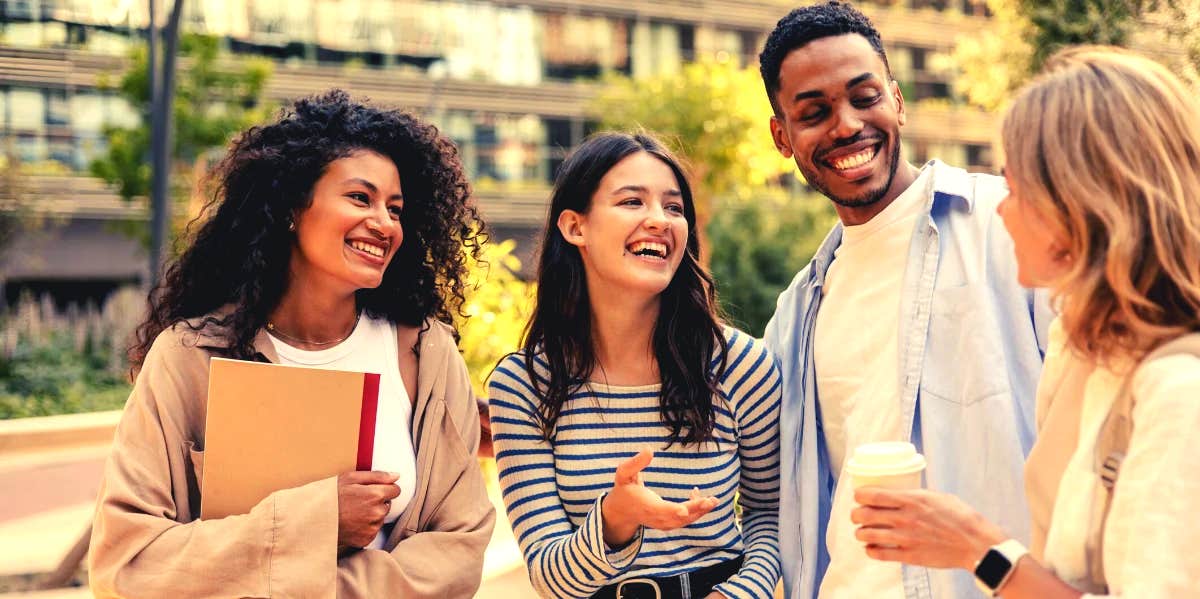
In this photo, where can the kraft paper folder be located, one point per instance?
(272, 427)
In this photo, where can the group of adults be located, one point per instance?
(1035, 336)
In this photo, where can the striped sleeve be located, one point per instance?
(563, 561)
(753, 386)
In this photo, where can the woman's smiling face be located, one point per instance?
(634, 233)
(348, 234)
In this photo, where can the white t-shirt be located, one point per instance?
(372, 348)
(857, 360)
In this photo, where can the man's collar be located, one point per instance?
(951, 183)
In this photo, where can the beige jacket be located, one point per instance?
(148, 542)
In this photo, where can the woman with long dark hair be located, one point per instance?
(632, 417)
(337, 239)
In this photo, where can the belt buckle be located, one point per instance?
(635, 581)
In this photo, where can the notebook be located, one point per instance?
(273, 426)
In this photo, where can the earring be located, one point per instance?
(291, 225)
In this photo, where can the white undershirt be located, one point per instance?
(857, 360)
(372, 348)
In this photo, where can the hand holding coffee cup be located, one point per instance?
(888, 465)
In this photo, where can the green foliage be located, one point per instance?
(496, 310)
(51, 376)
(758, 246)
(54, 362)
(713, 113)
(125, 164)
(215, 97)
(1023, 33)
(1059, 23)
(996, 61)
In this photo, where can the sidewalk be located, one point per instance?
(48, 497)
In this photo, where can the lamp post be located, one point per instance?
(162, 99)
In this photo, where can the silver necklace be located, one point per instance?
(286, 337)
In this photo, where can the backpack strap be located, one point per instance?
(1113, 442)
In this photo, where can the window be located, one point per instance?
(918, 58)
(931, 89)
(58, 112)
(558, 133)
(979, 157)
(583, 46)
(500, 148)
(687, 42)
(657, 48)
(27, 109)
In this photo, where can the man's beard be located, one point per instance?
(867, 197)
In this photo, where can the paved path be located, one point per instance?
(46, 502)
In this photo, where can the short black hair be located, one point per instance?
(809, 23)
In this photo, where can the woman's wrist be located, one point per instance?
(982, 538)
(617, 532)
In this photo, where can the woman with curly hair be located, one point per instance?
(632, 421)
(1103, 167)
(337, 239)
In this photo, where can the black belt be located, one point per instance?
(698, 582)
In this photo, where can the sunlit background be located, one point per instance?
(515, 83)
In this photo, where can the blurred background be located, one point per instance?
(515, 83)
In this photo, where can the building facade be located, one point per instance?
(509, 80)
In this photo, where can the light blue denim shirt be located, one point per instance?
(971, 347)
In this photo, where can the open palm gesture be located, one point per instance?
(630, 505)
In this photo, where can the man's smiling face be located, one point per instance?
(839, 117)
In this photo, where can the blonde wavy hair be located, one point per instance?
(1105, 145)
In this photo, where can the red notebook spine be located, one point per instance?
(366, 423)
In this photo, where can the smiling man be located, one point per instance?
(908, 324)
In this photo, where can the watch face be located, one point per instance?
(992, 569)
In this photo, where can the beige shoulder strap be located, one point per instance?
(1113, 442)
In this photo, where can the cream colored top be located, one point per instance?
(1152, 531)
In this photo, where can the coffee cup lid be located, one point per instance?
(881, 459)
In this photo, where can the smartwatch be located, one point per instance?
(997, 565)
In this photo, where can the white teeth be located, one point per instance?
(854, 160)
(658, 250)
(374, 250)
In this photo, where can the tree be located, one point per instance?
(1024, 33)
(497, 309)
(758, 246)
(711, 112)
(215, 97)
(996, 61)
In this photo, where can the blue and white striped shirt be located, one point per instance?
(552, 490)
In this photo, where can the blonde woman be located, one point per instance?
(1103, 167)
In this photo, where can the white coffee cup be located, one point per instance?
(890, 464)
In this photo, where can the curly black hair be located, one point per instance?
(809, 23)
(239, 256)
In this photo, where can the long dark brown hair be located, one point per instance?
(688, 340)
(239, 255)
